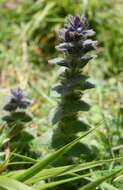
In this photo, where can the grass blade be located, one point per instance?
(66, 170)
(11, 184)
(56, 183)
(94, 184)
(109, 186)
(51, 157)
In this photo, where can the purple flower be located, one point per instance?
(17, 100)
(76, 24)
(75, 28)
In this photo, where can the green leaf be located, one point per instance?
(22, 157)
(76, 83)
(66, 170)
(94, 184)
(56, 183)
(75, 127)
(109, 186)
(11, 184)
(67, 109)
(75, 107)
(50, 158)
(22, 116)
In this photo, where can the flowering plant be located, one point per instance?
(16, 105)
(76, 43)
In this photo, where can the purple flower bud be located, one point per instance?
(74, 29)
(17, 93)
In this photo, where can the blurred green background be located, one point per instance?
(28, 35)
